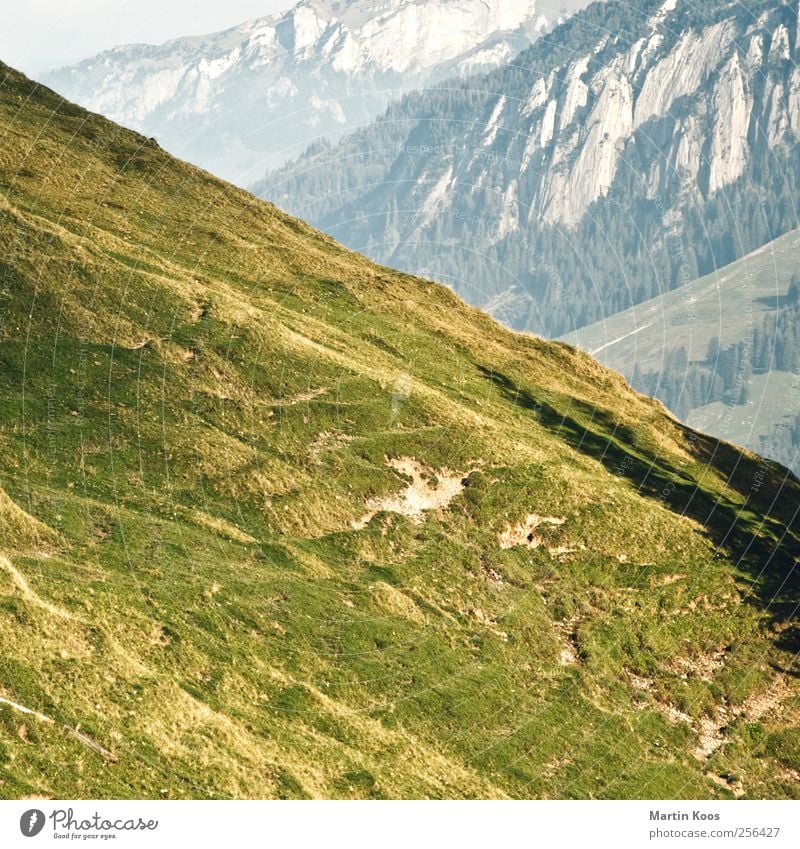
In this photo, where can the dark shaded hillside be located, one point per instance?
(278, 522)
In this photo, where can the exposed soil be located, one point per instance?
(22, 585)
(712, 731)
(566, 632)
(428, 490)
(524, 534)
(73, 732)
(735, 787)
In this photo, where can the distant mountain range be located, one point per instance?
(246, 99)
(635, 148)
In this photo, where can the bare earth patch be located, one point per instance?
(525, 533)
(24, 589)
(395, 602)
(765, 702)
(567, 637)
(735, 787)
(712, 731)
(21, 532)
(328, 440)
(698, 666)
(214, 523)
(428, 490)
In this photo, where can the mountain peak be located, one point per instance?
(256, 94)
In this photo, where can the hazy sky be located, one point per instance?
(36, 35)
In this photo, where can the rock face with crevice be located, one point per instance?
(258, 93)
(605, 165)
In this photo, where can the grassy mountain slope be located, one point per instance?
(277, 521)
(726, 306)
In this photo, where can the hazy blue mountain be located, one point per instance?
(239, 101)
(632, 150)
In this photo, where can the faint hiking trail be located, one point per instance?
(23, 709)
(713, 731)
(74, 731)
(22, 585)
(596, 351)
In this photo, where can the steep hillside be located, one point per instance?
(722, 352)
(636, 148)
(279, 522)
(246, 99)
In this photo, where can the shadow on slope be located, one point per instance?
(761, 533)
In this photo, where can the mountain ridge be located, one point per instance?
(256, 92)
(628, 152)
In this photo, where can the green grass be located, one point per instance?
(198, 397)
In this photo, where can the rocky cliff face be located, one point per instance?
(629, 153)
(249, 97)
